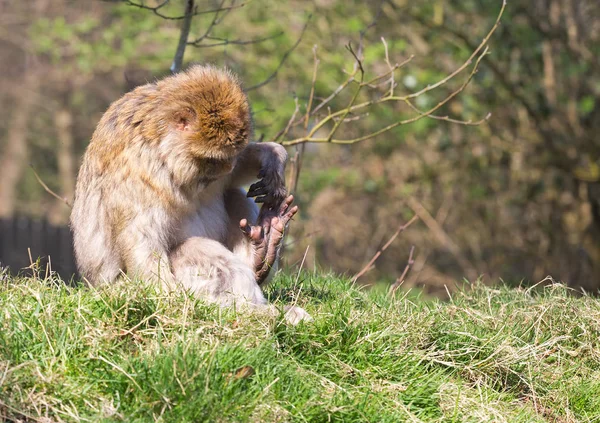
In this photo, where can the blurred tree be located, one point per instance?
(517, 198)
(545, 82)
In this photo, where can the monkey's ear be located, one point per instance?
(183, 119)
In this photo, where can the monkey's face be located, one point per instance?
(213, 133)
(213, 116)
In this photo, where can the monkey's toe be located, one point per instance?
(295, 315)
(253, 233)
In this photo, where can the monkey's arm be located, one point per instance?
(265, 161)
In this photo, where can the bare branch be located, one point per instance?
(299, 156)
(392, 68)
(337, 123)
(283, 60)
(157, 12)
(337, 118)
(449, 119)
(369, 265)
(225, 41)
(47, 189)
(334, 93)
(475, 53)
(285, 130)
(312, 87)
(400, 280)
(343, 112)
(443, 238)
(215, 21)
(364, 31)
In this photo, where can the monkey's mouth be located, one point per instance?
(218, 167)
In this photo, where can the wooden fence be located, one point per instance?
(23, 237)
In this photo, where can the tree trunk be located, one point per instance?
(14, 157)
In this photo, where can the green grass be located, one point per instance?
(128, 353)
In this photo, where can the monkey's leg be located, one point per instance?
(208, 269)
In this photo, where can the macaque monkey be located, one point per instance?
(158, 193)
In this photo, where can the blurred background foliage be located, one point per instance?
(516, 198)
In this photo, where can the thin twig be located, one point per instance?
(392, 68)
(225, 41)
(443, 238)
(282, 61)
(285, 130)
(48, 190)
(215, 21)
(385, 247)
(156, 9)
(293, 161)
(334, 93)
(312, 87)
(449, 119)
(299, 156)
(358, 62)
(469, 60)
(400, 280)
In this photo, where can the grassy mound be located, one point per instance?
(127, 353)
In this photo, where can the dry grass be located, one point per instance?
(130, 354)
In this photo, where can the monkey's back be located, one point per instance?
(111, 187)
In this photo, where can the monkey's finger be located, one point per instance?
(259, 191)
(281, 222)
(273, 244)
(265, 223)
(257, 185)
(263, 199)
(286, 203)
(257, 234)
(245, 227)
(254, 233)
(288, 216)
